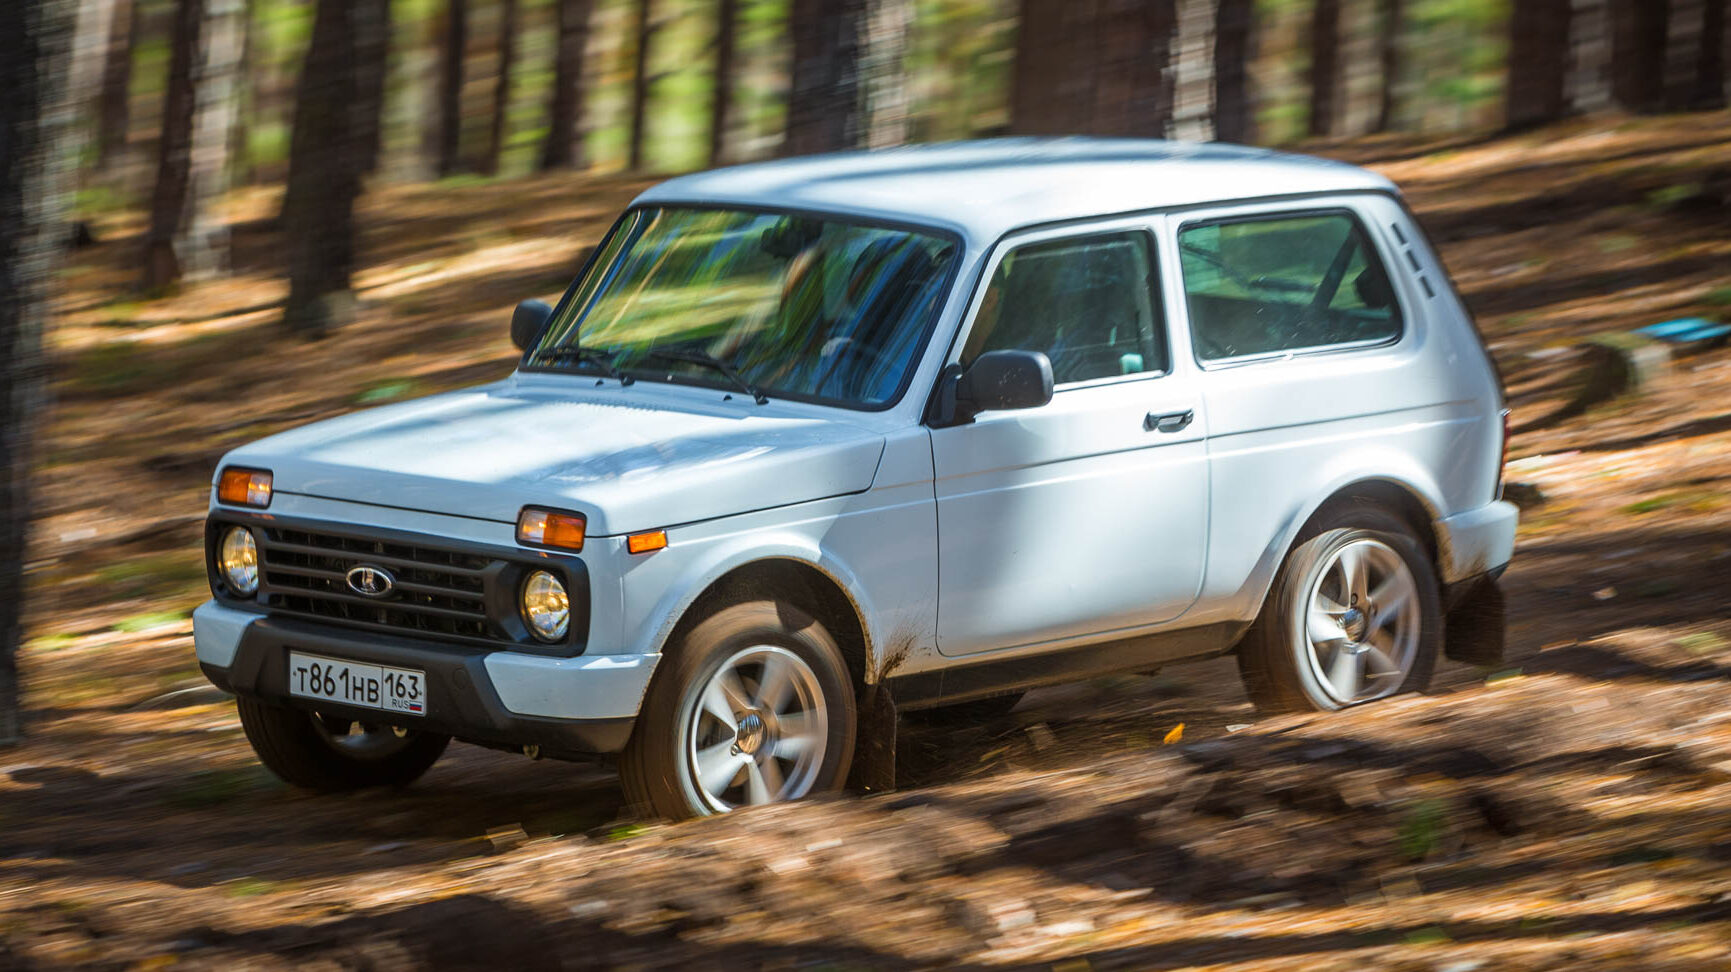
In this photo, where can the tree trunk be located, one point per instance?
(1324, 66)
(246, 101)
(325, 158)
(563, 147)
(451, 86)
(1234, 114)
(645, 31)
(502, 83)
(216, 97)
(826, 109)
(883, 72)
(1708, 91)
(1538, 62)
(1391, 27)
(35, 42)
(721, 78)
(192, 158)
(1640, 33)
(1093, 66)
(114, 102)
(162, 265)
(372, 69)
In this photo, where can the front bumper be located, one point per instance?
(565, 706)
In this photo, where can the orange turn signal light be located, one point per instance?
(551, 528)
(646, 542)
(244, 487)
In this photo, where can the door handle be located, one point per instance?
(1169, 422)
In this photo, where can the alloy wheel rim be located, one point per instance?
(1361, 623)
(756, 730)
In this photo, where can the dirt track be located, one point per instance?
(1569, 810)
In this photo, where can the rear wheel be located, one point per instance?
(332, 753)
(755, 705)
(1354, 616)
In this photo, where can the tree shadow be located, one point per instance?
(476, 931)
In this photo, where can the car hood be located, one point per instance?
(629, 459)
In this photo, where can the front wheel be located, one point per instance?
(1354, 616)
(755, 705)
(331, 753)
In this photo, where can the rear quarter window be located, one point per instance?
(1285, 283)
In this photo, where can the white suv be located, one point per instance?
(950, 421)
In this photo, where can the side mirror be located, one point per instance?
(996, 381)
(527, 321)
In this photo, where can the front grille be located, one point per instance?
(436, 592)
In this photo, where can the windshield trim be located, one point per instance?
(654, 377)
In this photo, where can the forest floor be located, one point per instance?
(1568, 810)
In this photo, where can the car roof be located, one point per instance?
(983, 189)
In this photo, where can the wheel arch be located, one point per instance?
(814, 588)
(1402, 497)
(1393, 496)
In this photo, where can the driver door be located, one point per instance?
(1088, 515)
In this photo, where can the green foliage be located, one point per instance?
(1689, 500)
(112, 367)
(52, 642)
(1422, 829)
(625, 831)
(213, 788)
(154, 575)
(267, 143)
(389, 391)
(1666, 197)
(99, 199)
(150, 621)
(1432, 935)
(1701, 643)
(249, 887)
(1640, 855)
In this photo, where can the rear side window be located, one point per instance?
(1087, 302)
(1284, 283)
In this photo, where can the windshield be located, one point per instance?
(770, 303)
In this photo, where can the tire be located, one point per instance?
(310, 752)
(685, 760)
(972, 712)
(1287, 659)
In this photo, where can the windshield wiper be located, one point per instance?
(595, 356)
(711, 362)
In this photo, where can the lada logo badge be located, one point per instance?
(369, 581)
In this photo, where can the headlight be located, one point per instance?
(238, 560)
(546, 609)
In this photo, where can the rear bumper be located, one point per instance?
(565, 706)
(1477, 542)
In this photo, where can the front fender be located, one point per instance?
(705, 567)
(877, 549)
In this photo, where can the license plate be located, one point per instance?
(354, 683)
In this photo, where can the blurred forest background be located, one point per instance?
(175, 101)
(154, 117)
